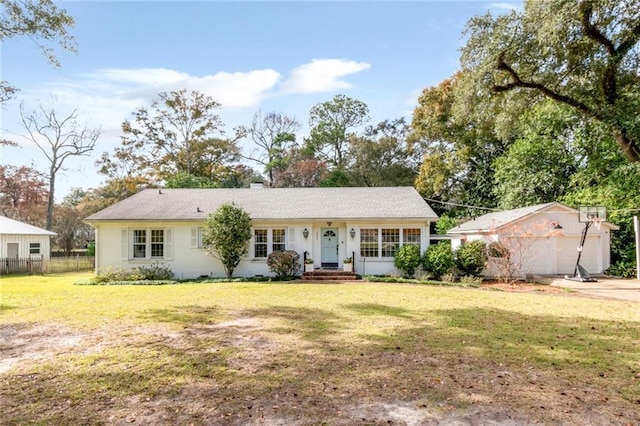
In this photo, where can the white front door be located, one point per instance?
(329, 247)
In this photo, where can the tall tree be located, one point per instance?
(273, 134)
(332, 123)
(537, 168)
(112, 191)
(583, 54)
(72, 232)
(382, 157)
(42, 22)
(181, 133)
(58, 138)
(299, 169)
(458, 149)
(23, 194)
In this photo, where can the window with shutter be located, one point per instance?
(168, 244)
(124, 244)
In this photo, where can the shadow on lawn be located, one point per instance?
(186, 315)
(311, 324)
(4, 308)
(377, 309)
(545, 369)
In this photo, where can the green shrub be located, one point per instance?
(470, 281)
(622, 269)
(111, 274)
(284, 264)
(438, 259)
(91, 249)
(407, 259)
(498, 250)
(445, 223)
(154, 272)
(471, 258)
(133, 282)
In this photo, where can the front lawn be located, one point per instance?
(292, 353)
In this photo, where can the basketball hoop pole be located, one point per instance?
(636, 228)
(588, 215)
(579, 273)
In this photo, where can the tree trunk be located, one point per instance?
(629, 147)
(52, 187)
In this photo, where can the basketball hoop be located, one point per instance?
(589, 215)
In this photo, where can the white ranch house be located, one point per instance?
(543, 238)
(329, 224)
(19, 240)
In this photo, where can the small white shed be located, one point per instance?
(19, 240)
(541, 239)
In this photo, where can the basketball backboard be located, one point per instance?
(592, 213)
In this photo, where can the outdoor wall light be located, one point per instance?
(556, 225)
(305, 233)
(352, 233)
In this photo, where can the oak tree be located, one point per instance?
(41, 21)
(583, 54)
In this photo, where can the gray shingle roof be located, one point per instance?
(273, 203)
(491, 221)
(14, 227)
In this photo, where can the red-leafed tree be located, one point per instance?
(23, 194)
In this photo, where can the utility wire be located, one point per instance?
(499, 210)
(461, 205)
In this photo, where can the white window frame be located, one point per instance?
(403, 237)
(35, 248)
(270, 241)
(401, 241)
(129, 243)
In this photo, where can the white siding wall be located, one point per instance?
(187, 261)
(24, 242)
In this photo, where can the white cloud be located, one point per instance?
(322, 75)
(144, 76)
(505, 6)
(237, 89)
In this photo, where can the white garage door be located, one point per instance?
(568, 255)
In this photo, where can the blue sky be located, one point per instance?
(249, 56)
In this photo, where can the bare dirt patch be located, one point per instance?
(27, 343)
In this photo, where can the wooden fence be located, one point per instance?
(39, 265)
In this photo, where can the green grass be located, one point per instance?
(312, 349)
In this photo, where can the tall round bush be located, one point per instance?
(438, 259)
(471, 258)
(407, 259)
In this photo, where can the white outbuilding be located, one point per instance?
(543, 239)
(19, 240)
